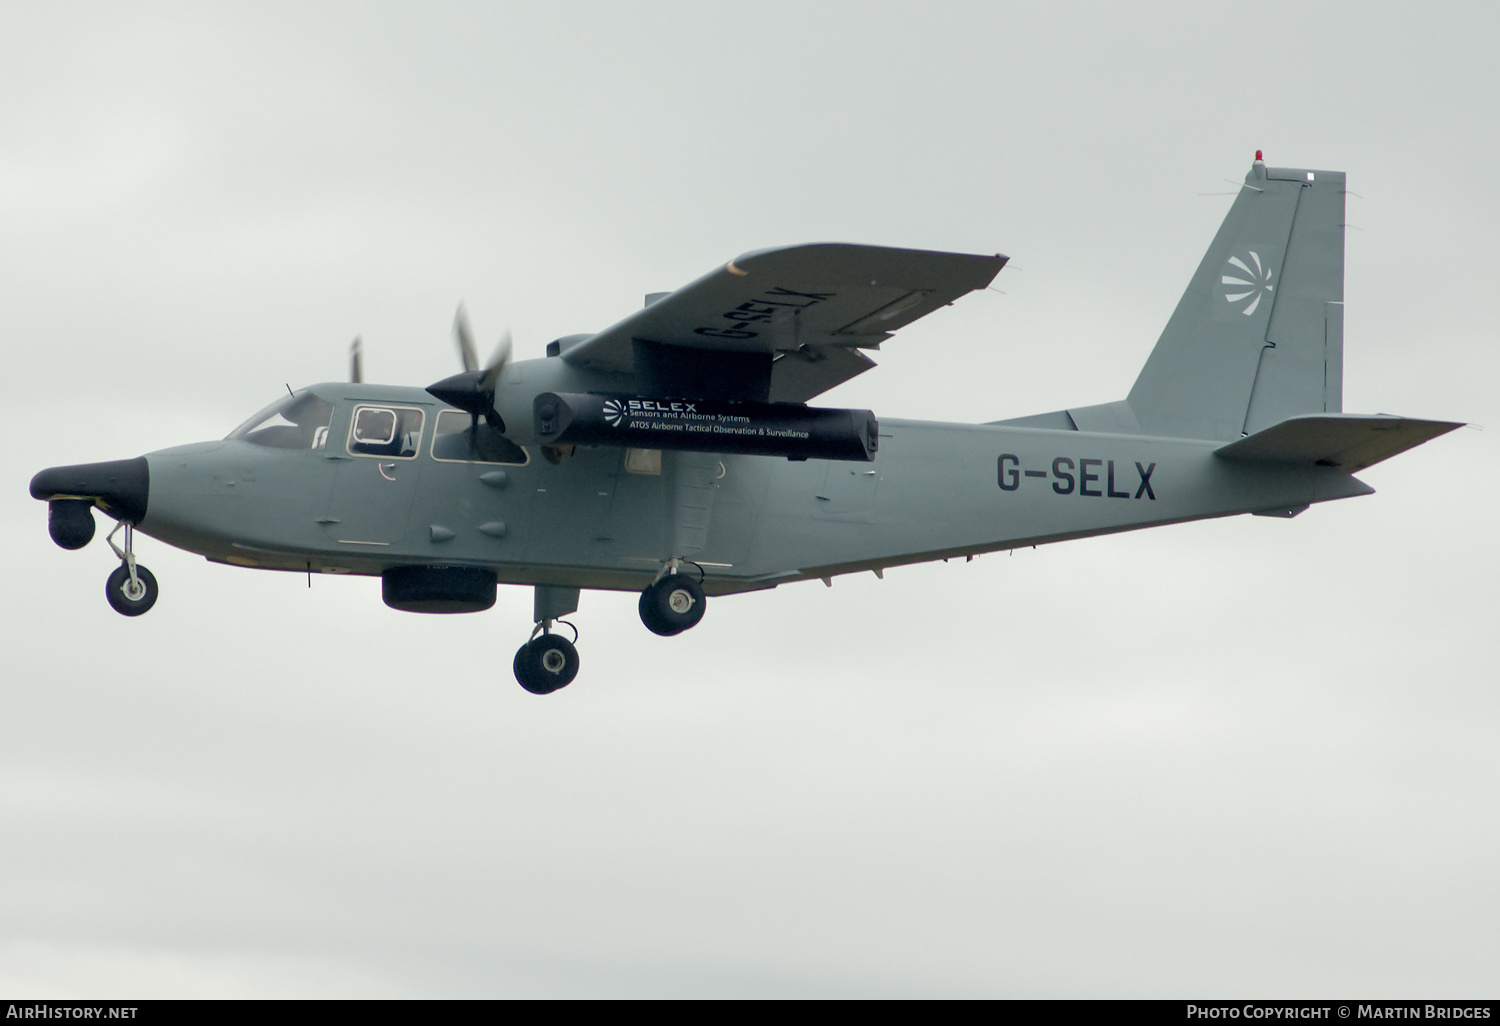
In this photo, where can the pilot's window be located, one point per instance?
(375, 427)
(385, 431)
(292, 422)
(457, 441)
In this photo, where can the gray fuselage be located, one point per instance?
(608, 517)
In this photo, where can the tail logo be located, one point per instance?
(1246, 282)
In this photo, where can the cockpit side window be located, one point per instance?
(294, 422)
(392, 431)
(457, 440)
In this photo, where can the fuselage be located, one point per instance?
(391, 479)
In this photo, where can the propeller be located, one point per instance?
(464, 336)
(473, 391)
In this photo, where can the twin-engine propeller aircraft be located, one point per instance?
(675, 454)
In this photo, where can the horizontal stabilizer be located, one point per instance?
(1349, 442)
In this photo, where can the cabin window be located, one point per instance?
(292, 422)
(457, 441)
(643, 461)
(385, 431)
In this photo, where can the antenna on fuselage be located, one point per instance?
(356, 360)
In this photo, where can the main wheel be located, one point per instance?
(545, 664)
(672, 605)
(127, 598)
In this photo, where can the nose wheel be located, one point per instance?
(673, 603)
(548, 661)
(130, 595)
(131, 589)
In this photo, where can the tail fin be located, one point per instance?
(1258, 335)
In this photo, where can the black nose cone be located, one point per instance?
(120, 486)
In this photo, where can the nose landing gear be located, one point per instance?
(673, 603)
(131, 589)
(130, 595)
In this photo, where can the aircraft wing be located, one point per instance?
(783, 325)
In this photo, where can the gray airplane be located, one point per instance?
(675, 454)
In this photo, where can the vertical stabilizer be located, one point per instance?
(1258, 335)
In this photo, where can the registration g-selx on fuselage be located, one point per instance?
(676, 453)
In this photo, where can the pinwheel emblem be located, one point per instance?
(614, 412)
(1246, 281)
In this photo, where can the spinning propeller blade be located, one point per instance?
(498, 359)
(473, 391)
(465, 339)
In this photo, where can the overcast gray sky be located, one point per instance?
(1245, 757)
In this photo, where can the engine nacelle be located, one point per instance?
(706, 425)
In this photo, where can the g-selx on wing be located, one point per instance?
(781, 325)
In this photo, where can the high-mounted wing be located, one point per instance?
(781, 325)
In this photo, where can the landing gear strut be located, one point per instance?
(131, 589)
(673, 603)
(548, 661)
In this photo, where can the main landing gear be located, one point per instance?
(548, 661)
(674, 602)
(131, 589)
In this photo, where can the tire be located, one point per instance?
(672, 605)
(117, 591)
(546, 664)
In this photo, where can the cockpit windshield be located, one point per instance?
(293, 422)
